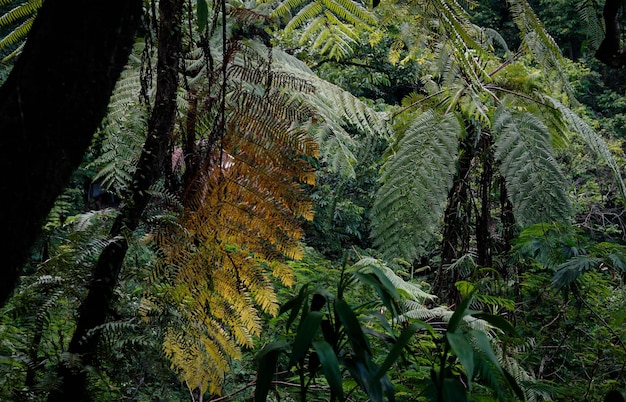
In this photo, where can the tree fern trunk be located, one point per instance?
(50, 107)
(94, 309)
(484, 238)
(508, 224)
(455, 228)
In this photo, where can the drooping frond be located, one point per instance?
(122, 133)
(534, 181)
(241, 218)
(415, 177)
(20, 19)
(337, 111)
(580, 127)
(538, 42)
(590, 16)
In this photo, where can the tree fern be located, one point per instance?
(415, 180)
(534, 180)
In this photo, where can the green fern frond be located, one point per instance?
(568, 271)
(592, 24)
(20, 18)
(331, 26)
(21, 11)
(18, 34)
(308, 13)
(534, 180)
(408, 290)
(336, 110)
(415, 177)
(579, 126)
(538, 42)
(122, 131)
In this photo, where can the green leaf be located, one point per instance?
(360, 371)
(397, 348)
(306, 332)
(293, 306)
(353, 328)
(514, 385)
(453, 390)
(485, 346)
(498, 322)
(330, 366)
(463, 350)
(266, 361)
(202, 13)
(461, 311)
(385, 293)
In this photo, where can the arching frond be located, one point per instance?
(534, 180)
(590, 16)
(330, 26)
(415, 178)
(538, 42)
(337, 111)
(20, 19)
(580, 127)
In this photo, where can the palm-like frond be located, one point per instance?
(580, 127)
(415, 178)
(534, 180)
(241, 219)
(588, 11)
(330, 26)
(538, 42)
(20, 18)
(337, 111)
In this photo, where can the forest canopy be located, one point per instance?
(335, 200)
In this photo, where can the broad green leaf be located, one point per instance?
(353, 328)
(453, 391)
(266, 361)
(397, 349)
(306, 332)
(293, 306)
(383, 292)
(485, 346)
(463, 350)
(202, 11)
(360, 371)
(330, 366)
(514, 385)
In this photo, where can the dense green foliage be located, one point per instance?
(386, 201)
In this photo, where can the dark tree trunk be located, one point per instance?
(484, 237)
(94, 309)
(50, 107)
(508, 226)
(456, 231)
